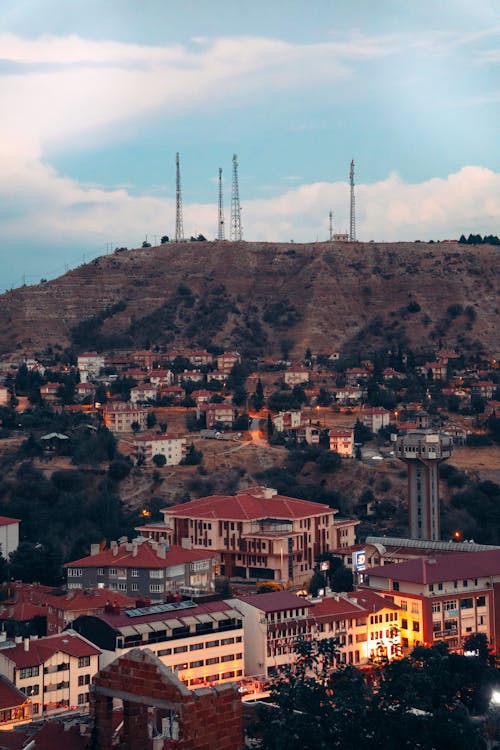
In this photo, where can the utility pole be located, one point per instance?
(330, 216)
(220, 225)
(236, 228)
(352, 230)
(179, 229)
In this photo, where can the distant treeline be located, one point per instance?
(476, 239)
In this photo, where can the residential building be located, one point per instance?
(144, 568)
(216, 414)
(273, 622)
(15, 707)
(143, 393)
(50, 391)
(342, 441)
(172, 447)
(227, 360)
(285, 421)
(202, 643)
(356, 375)
(54, 672)
(296, 375)
(365, 624)
(89, 365)
(423, 451)
(444, 597)
(375, 417)
(4, 396)
(9, 535)
(161, 377)
(257, 534)
(349, 394)
(119, 416)
(159, 712)
(344, 533)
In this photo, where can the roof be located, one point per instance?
(10, 696)
(121, 619)
(55, 734)
(441, 568)
(41, 649)
(275, 601)
(371, 601)
(83, 600)
(333, 606)
(6, 521)
(146, 557)
(22, 611)
(247, 507)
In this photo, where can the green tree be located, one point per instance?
(159, 460)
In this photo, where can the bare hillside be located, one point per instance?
(252, 296)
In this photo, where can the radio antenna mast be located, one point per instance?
(352, 230)
(179, 229)
(236, 229)
(220, 226)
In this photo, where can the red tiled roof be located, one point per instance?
(54, 734)
(275, 601)
(146, 557)
(247, 507)
(80, 600)
(371, 601)
(6, 521)
(10, 696)
(42, 649)
(441, 568)
(22, 611)
(332, 607)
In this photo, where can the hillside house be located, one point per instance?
(296, 375)
(143, 393)
(89, 365)
(119, 416)
(172, 447)
(342, 441)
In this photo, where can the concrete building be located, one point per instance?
(173, 447)
(119, 416)
(9, 535)
(256, 534)
(54, 672)
(444, 597)
(144, 568)
(423, 451)
(202, 643)
(89, 365)
(342, 442)
(159, 712)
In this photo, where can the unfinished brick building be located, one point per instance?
(159, 712)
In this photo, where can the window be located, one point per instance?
(83, 661)
(431, 587)
(211, 644)
(449, 605)
(436, 607)
(29, 672)
(194, 664)
(404, 624)
(180, 649)
(404, 605)
(465, 583)
(212, 660)
(415, 626)
(226, 641)
(414, 608)
(83, 698)
(164, 652)
(100, 571)
(134, 587)
(227, 657)
(74, 572)
(113, 572)
(83, 679)
(195, 646)
(156, 573)
(156, 588)
(134, 573)
(481, 601)
(122, 587)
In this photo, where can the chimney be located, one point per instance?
(26, 644)
(134, 550)
(160, 551)
(94, 549)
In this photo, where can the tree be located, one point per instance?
(136, 427)
(151, 419)
(119, 469)
(192, 457)
(164, 239)
(159, 460)
(258, 396)
(286, 346)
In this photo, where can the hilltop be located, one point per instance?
(251, 296)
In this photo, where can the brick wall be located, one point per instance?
(207, 719)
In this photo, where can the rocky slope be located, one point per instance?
(253, 296)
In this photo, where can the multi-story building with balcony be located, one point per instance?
(120, 416)
(202, 643)
(172, 447)
(443, 598)
(256, 534)
(144, 568)
(54, 672)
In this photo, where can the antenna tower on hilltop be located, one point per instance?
(352, 230)
(179, 229)
(330, 216)
(236, 230)
(220, 226)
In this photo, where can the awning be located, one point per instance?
(204, 618)
(220, 615)
(233, 613)
(173, 624)
(143, 627)
(158, 626)
(128, 630)
(190, 620)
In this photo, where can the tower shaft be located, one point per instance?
(352, 226)
(330, 217)
(221, 223)
(179, 228)
(236, 228)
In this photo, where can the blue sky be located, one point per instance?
(97, 96)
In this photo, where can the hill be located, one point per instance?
(255, 296)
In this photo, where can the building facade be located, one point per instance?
(172, 447)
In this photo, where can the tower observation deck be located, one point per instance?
(423, 451)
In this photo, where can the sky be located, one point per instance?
(98, 96)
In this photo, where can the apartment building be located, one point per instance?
(144, 568)
(54, 672)
(120, 416)
(256, 534)
(172, 447)
(443, 597)
(202, 643)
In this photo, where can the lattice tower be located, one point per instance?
(221, 225)
(179, 228)
(352, 230)
(236, 228)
